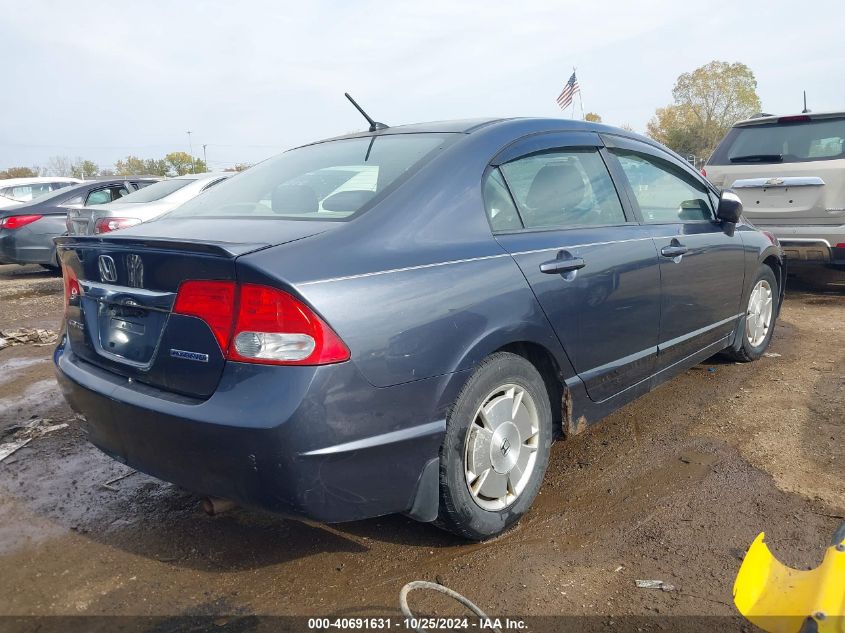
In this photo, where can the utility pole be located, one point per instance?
(204, 157)
(191, 150)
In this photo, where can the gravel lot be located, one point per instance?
(674, 487)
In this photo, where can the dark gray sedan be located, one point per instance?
(27, 230)
(401, 321)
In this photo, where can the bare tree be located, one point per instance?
(59, 166)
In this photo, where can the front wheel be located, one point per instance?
(496, 448)
(759, 318)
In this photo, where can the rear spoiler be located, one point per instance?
(120, 242)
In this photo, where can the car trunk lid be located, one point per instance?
(122, 319)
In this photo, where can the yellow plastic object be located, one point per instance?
(779, 599)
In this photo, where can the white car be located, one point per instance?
(15, 191)
(140, 206)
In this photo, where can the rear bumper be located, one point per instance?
(26, 246)
(315, 442)
(811, 245)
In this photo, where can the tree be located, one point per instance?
(59, 166)
(19, 172)
(593, 117)
(130, 166)
(181, 163)
(155, 167)
(708, 101)
(238, 167)
(84, 169)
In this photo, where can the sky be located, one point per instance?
(102, 79)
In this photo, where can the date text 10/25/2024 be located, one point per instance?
(417, 623)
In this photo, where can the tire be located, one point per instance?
(501, 383)
(755, 342)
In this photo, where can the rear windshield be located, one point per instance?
(26, 193)
(325, 181)
(156, 191)
(65, 190)
(792, 142)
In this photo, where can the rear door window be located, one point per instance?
(564, 188)
(501, 211)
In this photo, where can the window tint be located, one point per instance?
(665, 194)
(499, 204)
(100, 196)
(565, 188)
(787, 142)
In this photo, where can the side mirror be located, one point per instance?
(730, 207)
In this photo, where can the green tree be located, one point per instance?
(84, 169)
(155, 167)
(19, 172)
(181, 163)
(707, 102)
(130, 166)
(593, 117)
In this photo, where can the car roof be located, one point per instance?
(470, 126)
(10, 182)
(762, 119)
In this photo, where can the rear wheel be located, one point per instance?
(759, 319)
(496, 448)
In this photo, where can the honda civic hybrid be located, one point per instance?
(402, 320)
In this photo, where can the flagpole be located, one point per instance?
(579, 90)
(580, 99)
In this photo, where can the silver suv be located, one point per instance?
(789, 172)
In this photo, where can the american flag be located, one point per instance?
(569, 90)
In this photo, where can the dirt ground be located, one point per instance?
(673, 487)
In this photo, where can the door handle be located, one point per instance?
(557, 266)
(676, 250)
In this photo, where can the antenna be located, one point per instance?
(374, 125)
(805, 110)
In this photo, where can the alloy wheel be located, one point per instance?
(501, 447)
(758, 317)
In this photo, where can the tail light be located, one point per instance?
(107, 225)
(72, 289)
(796, 118)
(259, 324)
(771, 237)
(211, 301)
(840, 245)
(704, 172)
(13, 222)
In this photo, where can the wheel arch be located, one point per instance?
(547, 356)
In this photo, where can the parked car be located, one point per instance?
(140, 206)
(411, 344)
(14, 191)
(27, 230)
(789, 172)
